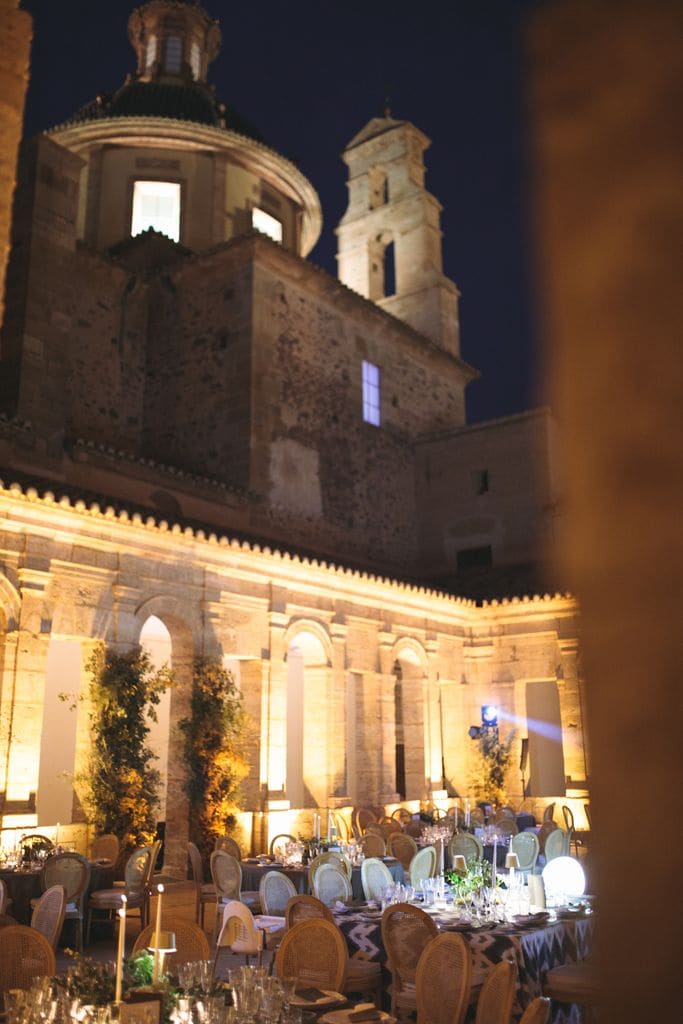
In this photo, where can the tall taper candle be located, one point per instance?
(121, 946)
(157, 938)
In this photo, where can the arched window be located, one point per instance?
(378, 188)
(155, 639)
(173, 55)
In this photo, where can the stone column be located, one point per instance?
(387, 681)
(83, 738)
(433, 721)
(337, 728)
(22, 723)
(274, 711)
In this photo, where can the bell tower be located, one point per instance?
(389, 239)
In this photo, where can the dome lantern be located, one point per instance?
(175, 41)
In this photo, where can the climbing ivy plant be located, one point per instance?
(121, 787)
(215, 739)
(492, 760)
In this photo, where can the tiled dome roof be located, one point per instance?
(181, 101)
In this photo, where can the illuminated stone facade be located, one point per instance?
(159, 398)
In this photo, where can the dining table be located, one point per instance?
(25, 885)
(534, 946)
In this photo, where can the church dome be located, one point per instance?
(163, 151)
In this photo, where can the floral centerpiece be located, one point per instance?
(93, 983)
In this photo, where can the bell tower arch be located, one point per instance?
(393, 223)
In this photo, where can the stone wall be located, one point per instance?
(491, 485)
(16, 32)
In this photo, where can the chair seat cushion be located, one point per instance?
(572, 983)
(112, 898)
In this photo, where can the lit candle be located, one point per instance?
(495, 863)
(57, 835)
(119, 953)
(329, 824)
(467, 814)
(157, 938)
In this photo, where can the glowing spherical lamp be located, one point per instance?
(563, 878)
(489, 715)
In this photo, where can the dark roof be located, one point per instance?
(184, 101)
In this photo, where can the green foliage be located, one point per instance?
(492, 762)
(215, 735)
(121, 787)
(93, 983)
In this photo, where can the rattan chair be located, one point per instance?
(549, 812)
(279, 842)
(314, 952)
(375, 828)
(135, 888)
(48, 913)
(373, 845)
(546, 829)
(238, 934)
(537, 1012)
(303, 907)
(502, 813)
(331, 884)
(4, 897)
(568, 817)
(443, 979)
(360, 819)
(191, 942)
(376, 878)
(403, 847)
(506, 827)
(105, 849)
(6, 920)
(362, 976)
(422, 865)
(525, 845)
(468, 846)
(230, 846)
(275, 891)
(402, 814)
(330, 857)
(72, 871)
(206, 891)
(25, 954)
(494, 1005)
(227, 879)
(556, 845)
(406, 930)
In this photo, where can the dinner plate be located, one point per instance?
(530, 920)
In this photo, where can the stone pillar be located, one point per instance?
(22, 723)
(177, 802)
(607, 81)
(83, 739)
(433, 730)
(15, 33)
(337, 727)
(387, 709)
(274, 710)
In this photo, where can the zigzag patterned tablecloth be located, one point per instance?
(533, 950)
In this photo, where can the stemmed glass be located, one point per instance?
(186, 973)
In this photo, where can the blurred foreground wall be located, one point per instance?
(606, 89)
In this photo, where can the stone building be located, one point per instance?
(208, 443)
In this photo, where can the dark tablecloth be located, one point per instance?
(23, 886)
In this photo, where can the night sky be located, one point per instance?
(309, 75)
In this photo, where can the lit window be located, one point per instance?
(174, 54)
(156, 204)
(194, 59)
(150, 52)
(371, 412)
(266, 224)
